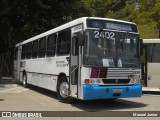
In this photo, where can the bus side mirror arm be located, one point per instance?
(81, 38)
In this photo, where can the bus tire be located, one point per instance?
(63, 90)
(24, 82)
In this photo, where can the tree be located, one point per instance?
(23, 19)
(156, 16)
(102, 7)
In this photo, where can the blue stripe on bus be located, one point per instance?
(91, 92)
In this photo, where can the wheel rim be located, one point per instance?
(64, 89)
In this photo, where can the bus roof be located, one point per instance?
(68, 25)
(151, 40)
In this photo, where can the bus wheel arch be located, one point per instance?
(63, 89)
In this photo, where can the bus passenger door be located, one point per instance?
(75, 66)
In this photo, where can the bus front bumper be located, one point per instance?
(91, 92)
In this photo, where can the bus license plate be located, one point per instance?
(117, 90)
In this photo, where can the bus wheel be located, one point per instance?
(24, 82)
(63, 91)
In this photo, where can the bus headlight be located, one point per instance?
(92, 81)
(132, 81)
(137, 81)
(98, 81)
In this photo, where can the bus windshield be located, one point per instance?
(111, 49)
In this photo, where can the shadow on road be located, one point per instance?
(95, 105)
(43, 91)
(99, 105)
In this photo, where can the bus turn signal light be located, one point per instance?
(86, 81)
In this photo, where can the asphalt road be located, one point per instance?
(16, 98)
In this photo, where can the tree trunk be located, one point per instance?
(1, 66)
(10, 42)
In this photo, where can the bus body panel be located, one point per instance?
(91, 92)
(153, 74)
(105, 91)
(44, 72)
(151, 61)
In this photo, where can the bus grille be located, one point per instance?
(113, 73)
(117, 81)
(99, 72)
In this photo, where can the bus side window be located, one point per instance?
(42, 47)
(153, 50)
(23, 56)
(63, 44)
(29, 50)
(35, 49)
(156, 51)
(149, 52)
(51, 45)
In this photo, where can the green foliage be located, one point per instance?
(148, 30)
(22, 19)
(103, 8)
(147, 17)
(155, 13)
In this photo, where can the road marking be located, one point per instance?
(14, 90)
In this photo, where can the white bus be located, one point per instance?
(151, 62)
(87, 58)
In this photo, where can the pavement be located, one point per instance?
(145, 90)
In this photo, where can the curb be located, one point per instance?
(151, 92)
(6, 83)
(148, 90)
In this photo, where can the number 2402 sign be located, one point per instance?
(108, 35)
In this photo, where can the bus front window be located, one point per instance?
(111, 49)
